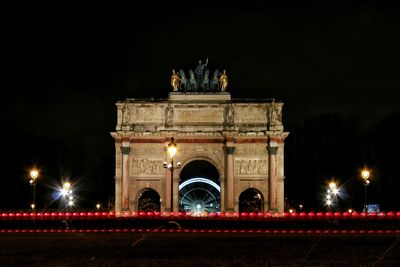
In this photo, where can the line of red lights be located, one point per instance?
(186, 215)
(226, 231)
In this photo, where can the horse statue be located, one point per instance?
(192, 82)
(206, 81)
(215, 82)
(183, 84)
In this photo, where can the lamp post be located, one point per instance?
(365, 175)
(66, 192)
(34, 174)
(332, 194)
(171, 148)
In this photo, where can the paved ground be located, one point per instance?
(197, 249)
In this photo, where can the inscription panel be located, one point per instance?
(148, 150)
(199, 115)
(152, 115)
(251, 150)
(250, 114)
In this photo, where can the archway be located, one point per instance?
(251, 200)
(149, 200)
(199, 188)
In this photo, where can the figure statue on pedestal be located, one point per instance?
(272, 114)
(199, 71)
(230, 114)
(175, 80)
(223, 81)
(169, 116)
(126, 114)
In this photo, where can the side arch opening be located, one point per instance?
(149, 200)
(251, 200)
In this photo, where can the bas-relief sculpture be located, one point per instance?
(251, 167)
(143, 166)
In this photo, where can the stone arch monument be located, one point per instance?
(242, 138)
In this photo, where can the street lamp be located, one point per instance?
(66, 192)
(34, 174)
(365, 175)
(172, 149)
(332, 194)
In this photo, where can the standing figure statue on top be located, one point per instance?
(199, 71)
(223, 81)
(175, 80)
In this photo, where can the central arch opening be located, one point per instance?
(199, 188)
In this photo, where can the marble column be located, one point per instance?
(230, 205)
(125, 177)
(273, 201)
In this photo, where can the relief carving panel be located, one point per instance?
(146, 166)
(251, 166)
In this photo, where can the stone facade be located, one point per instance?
(243, 139)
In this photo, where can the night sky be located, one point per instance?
(63, 68)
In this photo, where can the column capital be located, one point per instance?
(230, 150)
(272, 150)
(125, 150)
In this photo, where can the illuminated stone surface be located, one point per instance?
(242, 138)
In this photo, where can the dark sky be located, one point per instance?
(62, 68)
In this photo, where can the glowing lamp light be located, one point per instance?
(34, 174)
(332, 186)
(365, 174)
(172, 148)
(67, 186)
(63, 192)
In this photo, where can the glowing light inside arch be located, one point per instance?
(199, 180)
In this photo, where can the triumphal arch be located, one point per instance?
(230, 152)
